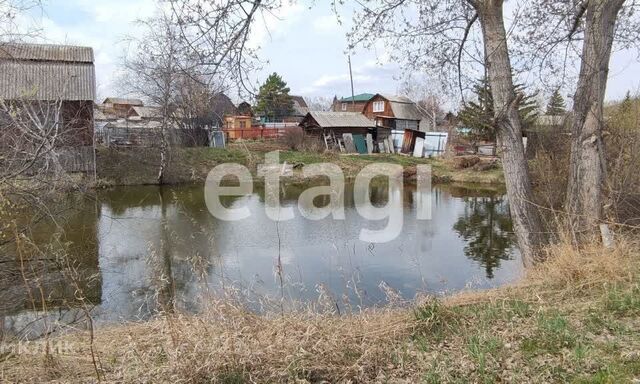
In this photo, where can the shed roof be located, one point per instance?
(121, 100)
(341, 119)
(46, 72)
(147, 112)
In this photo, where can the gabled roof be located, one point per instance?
(300, 106)
(340, 119)
(403, 107)
(46, 72)
(123, 101)
(300, 100)
(363, 97)
(147, 112)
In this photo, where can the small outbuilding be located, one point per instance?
(318, 123)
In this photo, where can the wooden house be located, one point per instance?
(393, 112)
(56, 75)
(120, 107)
(351, 104)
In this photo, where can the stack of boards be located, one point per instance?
(364, 144)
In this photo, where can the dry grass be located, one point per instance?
(573, 319)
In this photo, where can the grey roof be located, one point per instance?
(341, 119)
(300, 106)
(404, 108)
(123, 101)
(147, 112)
(46, 52)
(46, 72)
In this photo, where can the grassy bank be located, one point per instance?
(133, 166)
(575, 319)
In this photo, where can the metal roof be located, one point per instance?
(46, 52)
(46, 72)
(358, 98)
(341, 119)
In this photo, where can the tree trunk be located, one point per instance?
(526, 217)
(587, 168)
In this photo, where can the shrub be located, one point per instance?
(293, 138)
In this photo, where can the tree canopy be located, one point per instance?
(274, 101)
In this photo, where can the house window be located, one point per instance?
(378, 106)
(344, 106)
(243, 124)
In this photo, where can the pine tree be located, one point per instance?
(274, 102)
(479, 115)
(556, 106)
(627, 104)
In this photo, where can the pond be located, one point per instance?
(137, 250)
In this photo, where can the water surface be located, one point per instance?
(138, 250)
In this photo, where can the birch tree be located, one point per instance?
(155, 67)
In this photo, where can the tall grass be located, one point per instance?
(556, 314)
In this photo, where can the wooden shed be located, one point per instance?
(317, 123)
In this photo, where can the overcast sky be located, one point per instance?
(304, 44)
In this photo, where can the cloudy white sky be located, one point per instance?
(304, 44)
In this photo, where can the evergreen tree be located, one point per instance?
(556, 106)
(479, 116)
(627, 104)
(274, 102)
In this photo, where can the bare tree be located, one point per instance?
(154, 70)
(216, 34)
(433, 36)
(10, 10)
(319, 103)
(555, 34)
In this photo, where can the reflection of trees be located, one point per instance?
(487, 229)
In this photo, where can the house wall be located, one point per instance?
(368, 109)
(358, 106)
(236, 122)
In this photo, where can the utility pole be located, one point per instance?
(353, 96)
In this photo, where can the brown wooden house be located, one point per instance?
(351, 104)
(393, 112)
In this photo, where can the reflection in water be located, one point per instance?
(486, 228)
(157, 249)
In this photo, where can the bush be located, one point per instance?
(296, 140)
(293, 138)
